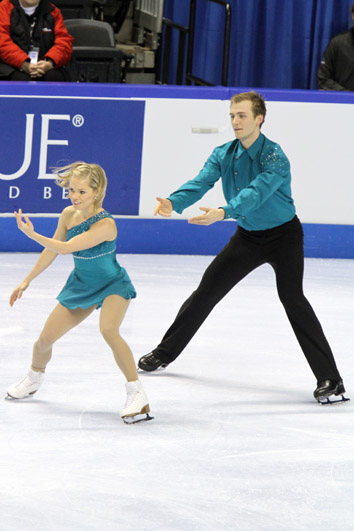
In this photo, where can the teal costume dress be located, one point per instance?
(97, 273)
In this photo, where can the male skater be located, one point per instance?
(255, 176)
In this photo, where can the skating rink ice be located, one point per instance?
(237, 444)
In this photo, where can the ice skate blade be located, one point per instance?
(9, 397)
(325, 401)
(161, 368)
(137, 418)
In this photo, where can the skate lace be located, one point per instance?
(27, 382)
(23, 381)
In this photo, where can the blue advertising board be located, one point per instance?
(40, 133)
(50, 124)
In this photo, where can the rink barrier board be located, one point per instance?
(143, 235)
(158, 236)
(106, 91)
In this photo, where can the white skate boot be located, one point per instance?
(137, 405)
(27, 386)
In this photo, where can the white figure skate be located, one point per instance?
(26, 387)
(137, 405)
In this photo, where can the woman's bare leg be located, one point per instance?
(113, 311)
(59, 322)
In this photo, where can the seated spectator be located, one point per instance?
(34, 42)
(336, 71)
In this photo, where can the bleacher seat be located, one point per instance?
(95, 58)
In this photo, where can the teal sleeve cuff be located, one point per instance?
(228, 211)
(175, 204)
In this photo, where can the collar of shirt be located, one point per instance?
(28, 10)
(240, 150)
(252, 150)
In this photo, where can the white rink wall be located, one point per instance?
(316, 137)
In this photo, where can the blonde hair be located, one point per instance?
(95, 175)
(257, 101)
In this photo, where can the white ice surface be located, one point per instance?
(237, 443)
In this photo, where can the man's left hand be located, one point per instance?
(211, 215)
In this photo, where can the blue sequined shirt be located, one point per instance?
(255, 181)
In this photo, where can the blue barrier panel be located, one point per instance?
(104, 91)
(47, 132)
(159, 236)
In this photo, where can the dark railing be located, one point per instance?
(183, 32)
(226, 48)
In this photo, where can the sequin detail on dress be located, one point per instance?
(93, 257)
(85, 225)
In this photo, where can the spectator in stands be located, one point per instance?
(336, 71)
(34, 43)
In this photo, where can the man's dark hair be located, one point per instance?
(353, 7)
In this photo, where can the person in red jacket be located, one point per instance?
(34, 42)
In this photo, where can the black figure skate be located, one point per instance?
(150, 362)
(326, 389)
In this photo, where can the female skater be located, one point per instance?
(97, 281)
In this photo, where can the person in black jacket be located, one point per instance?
(34, 42)
(336, 71)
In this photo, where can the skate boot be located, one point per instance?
(27, 386)
(137, 405)
(151, 362)
(328, 388)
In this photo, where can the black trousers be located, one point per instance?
(282, 248)
(57, 75)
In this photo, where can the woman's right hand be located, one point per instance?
(163, 207)
(26, 226)
(17, 293)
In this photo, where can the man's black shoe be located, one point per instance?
(327, 388)
(151, 362)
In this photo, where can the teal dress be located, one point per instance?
(97, 273)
